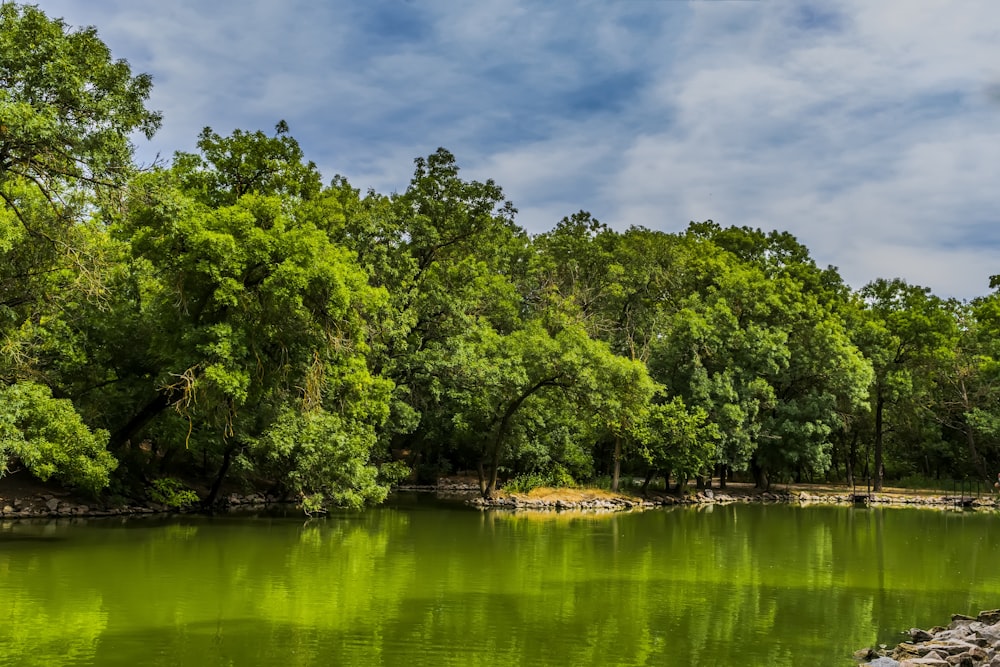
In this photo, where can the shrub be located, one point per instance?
(557, 477)
(313, 504)
(172, 493)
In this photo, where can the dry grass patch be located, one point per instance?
(568, 495)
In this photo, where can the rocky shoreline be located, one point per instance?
(56, 504)
(60, 505)
(518, 501)
(966, 642)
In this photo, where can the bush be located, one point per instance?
(172, 493)
(313, 503)
(603, 482)
(557, 477)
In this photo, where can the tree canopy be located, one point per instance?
(227, 317)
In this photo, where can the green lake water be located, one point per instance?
(425, 583)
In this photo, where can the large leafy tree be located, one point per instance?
(449, 254)
(718, 351)
(67, 112)
(759, 345)
(505, 390)
(908, 331)
(251, 322)
(966, 394)
(67, 109)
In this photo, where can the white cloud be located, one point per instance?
(867, 129)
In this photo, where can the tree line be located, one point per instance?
(229, 316)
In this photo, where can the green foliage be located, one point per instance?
(525, 482)
(66, 107)
(67, 111)
(47, 435)
(244, 162)
(239, 315)
(259, 322)
(313, 504)
(317, 452)
(556, 477)
(673, 438)
(908, 333)
(172, 493)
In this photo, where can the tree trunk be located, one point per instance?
(227, 460)
(490, 489)
(616, 471)
(970, 436)
(494, 471)
(977, 461)
(650, 476)
(760, 478)
(482, 479)
(146, 414)
(851, 460)
(879, 467)
(723, 474)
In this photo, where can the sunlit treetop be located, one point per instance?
(67, 108)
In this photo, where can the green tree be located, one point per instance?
(503, 386)
(253, 322)
(966, 395)
(47, 436)
(66, 107)
(67, 111)
(718, 351)
(673, 439)
(449, 254)
(758, 343)
(908, 330)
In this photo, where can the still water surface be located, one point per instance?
(423, 583)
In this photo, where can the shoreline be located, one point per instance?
(967, 641)
(43, 502)
(557, 500)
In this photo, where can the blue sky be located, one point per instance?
(870, 130)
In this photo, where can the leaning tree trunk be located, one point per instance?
(227, 461)
(488, 490)
(650, 476)
(139, 420)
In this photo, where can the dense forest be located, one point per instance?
(228, 317)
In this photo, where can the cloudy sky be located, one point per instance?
(870, 130)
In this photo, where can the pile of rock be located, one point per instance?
(48, 505)
(966, 642)
(515, 502)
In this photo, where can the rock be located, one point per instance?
(884, 661)
(967, 642)
(52, 503)
(7, 509)
(989, 617)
